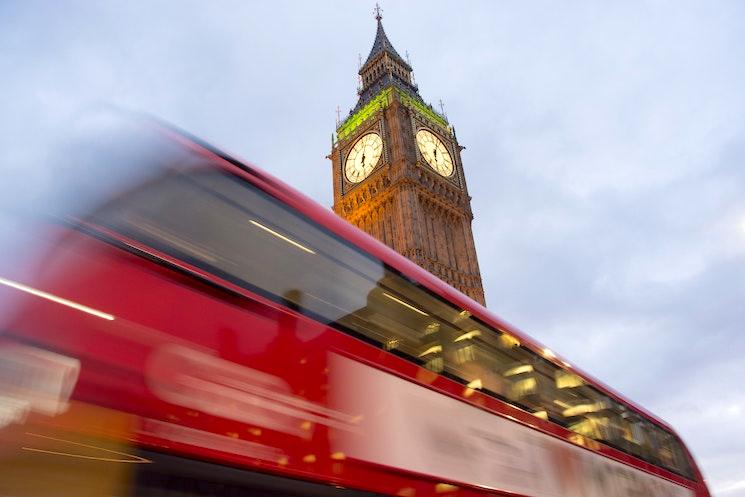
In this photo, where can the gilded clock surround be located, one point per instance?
(429, 145)
(363, 157)
(404, 201)
(341, 154)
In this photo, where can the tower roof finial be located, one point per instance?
(381, 43)
(378, 12)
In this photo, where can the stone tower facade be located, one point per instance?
(398, 173)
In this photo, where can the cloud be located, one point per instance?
(604, 153)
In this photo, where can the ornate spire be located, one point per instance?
(383, 68)
(382, 44)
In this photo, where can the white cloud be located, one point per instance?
(729, 487)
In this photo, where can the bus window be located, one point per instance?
(632, 439)
(668, 452)
(227, 227)
(477, 355)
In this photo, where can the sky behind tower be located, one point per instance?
(604, 154)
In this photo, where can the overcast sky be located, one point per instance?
(605, 150)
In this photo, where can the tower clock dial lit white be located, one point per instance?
(434, 152)
(363, 157)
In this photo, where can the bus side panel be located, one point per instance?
(180, 365)
(168, 362)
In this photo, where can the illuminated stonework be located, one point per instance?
(355, 120)
(413, 197)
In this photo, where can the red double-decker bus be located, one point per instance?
(175, 322)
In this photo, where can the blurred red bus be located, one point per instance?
(190, 325)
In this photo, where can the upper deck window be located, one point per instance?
(226, 226)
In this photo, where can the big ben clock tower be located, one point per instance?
(398, 173)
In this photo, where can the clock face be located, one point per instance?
(434, 152)
(363, 157)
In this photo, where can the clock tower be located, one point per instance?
(398, 173)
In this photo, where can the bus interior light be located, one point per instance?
(508, 341)
(524, 368)
(583, 409)
(405, 304)
(432, 328)
(432, 350)
(468, 335)
(565, 379)
(475, 384)
(281, 236)
(463, 315)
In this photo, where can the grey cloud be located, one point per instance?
(604, 153)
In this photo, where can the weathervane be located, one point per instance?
(442, 109)
(378, 12)
(359, 68)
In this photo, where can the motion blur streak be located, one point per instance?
(126, 458)
(54, 298)
(200, 438)
(212, 385)
(34, 380)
